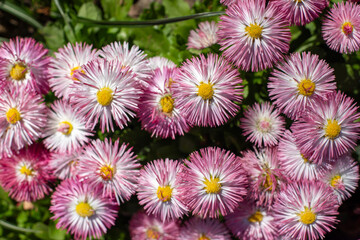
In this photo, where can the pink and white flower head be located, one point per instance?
(23, 62)
(65, 129)
(145, 227)
(295, 164)
(299, 81)
(65, 165)
(306, 210)
(82, 209)
(159, 111)
(252, 222)
(22, 118)
(204, 36)
(213, 182)
(204, 229)
(132, 58)
(340, 27)
(206, 89)
(27, 175)
(300, 12)
(107, 92)
(343, 177)
(228, 2)
(328, 130)
(112, 167)
(158, 189)
(160, 63)
(69, 60)
(263, 125)
(267, 178)
(253, 36)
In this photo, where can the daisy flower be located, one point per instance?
(65, 165)
(204, 229)
(213, 182)
(262, 124)
(228, 2)
(107, 92)
(299, 81)
(27, 175)
(22, 118)
(23, 62)
(145, 227)
(69, 60)
(340, 27)
(113, 167)
(306, 210)
(65, 129)
(300, 12)
(160, 62)
(252, 35)
(295, 164)
(82, 210)
(204, 36)
(157, 189)
(252, 222)
(133, 58)
(206, 89)
(328, 130)
(343, 177)
(159, 112)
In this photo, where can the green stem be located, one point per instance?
(16, 228)
(146, 23)
(65, 17)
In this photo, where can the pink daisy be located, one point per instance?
(27, 175)
(252, 222)
(228, 2)
(160, 62)
(67, 61)
(145, 227)
(204, 36)
(159, 112)
(252, 35)
(113, 167)
(65, 165)
(207, 89)
(299, 81)
(306, 210)
(65, 129)
(328, 130)
(158, 189)
(204, 229)
(213, 182)
(22, 118)
(300, 12)
(23, 62)
(295, 164)
(343, 177)
(82, 210)
(262, 124)
(107, 92)
(340, 27)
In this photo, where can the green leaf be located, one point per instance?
(43, 230)
(90, 10)
(54, 36)
(116, 9)
(19, 13)
(176, 8)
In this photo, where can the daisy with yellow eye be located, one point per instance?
(69, 60)
(107, 92)
(82, 210)
(114, 167)
(65, 129)
(204, 229)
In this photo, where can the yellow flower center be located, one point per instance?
(167, 104)
(306, 87)
(332, 129)
(164, 193)
(268, 185)
(299, 1)
(18, 72)
(104, 96)
(203, 237)
(75, 70)
(84, 209)
(307, 216)
(347, 28)
(106, 172)
(152, 234)
(212, 185)
(335, 181)
(256, 217)
(26, 171)
(304, 158)
(206, 90)
(65, 128)
(254, 31)
(13, 115)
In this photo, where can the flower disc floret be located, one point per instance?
(13, 115)
(18, 72)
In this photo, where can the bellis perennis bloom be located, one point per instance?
(203, 37)
(203, 229)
